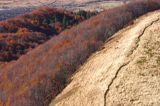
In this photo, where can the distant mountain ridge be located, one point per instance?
(31, 3)
(10, 8)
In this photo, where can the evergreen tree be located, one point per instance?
(53, 19)
(64, 22)
(46, 21)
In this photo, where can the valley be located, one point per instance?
(11, 8)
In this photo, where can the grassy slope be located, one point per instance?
(125, 72)
(41, 74)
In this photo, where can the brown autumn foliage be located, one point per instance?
(13, 45)
(26, 31)
(36, 78)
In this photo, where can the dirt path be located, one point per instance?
(126, 72)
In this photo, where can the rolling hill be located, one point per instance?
(125, 73)
(37, 77)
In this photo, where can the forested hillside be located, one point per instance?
(25, 32)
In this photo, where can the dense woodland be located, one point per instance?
(25, 32)
(47, 69)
